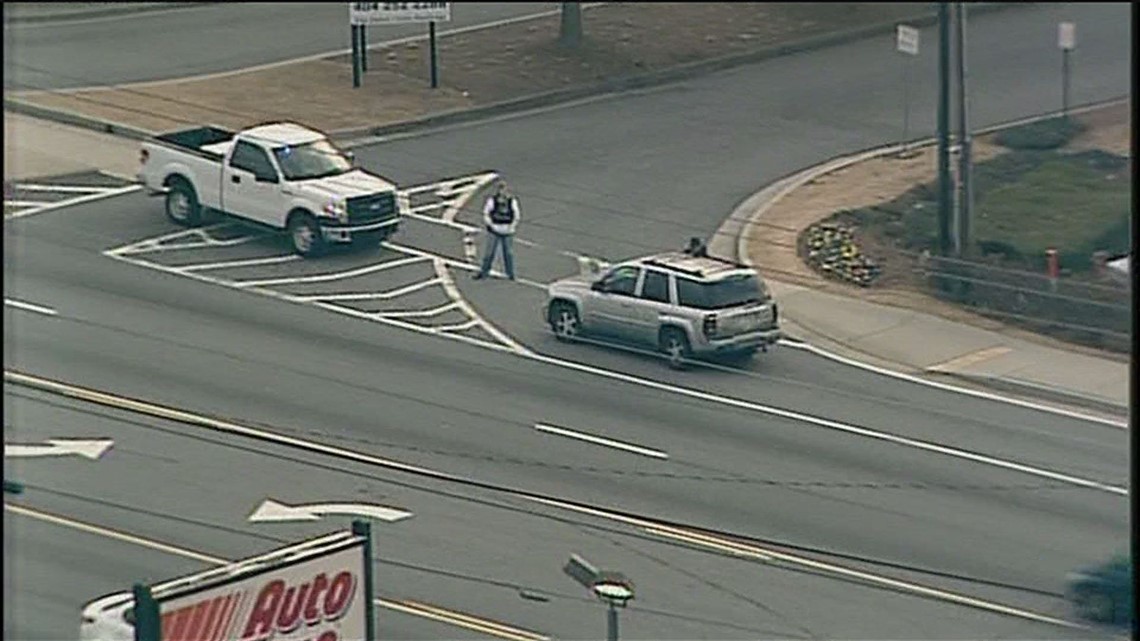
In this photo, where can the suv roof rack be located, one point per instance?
(699, 266)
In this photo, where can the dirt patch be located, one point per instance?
(478, 67)
(772, 243)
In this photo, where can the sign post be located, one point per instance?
(1067, 41)
(365, 14)
(906, 42)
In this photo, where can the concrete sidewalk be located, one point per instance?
(34, 147)
(913, 342)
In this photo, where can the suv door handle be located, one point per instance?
(234, 178)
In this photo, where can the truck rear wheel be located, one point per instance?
(305, 235)
(182, 206)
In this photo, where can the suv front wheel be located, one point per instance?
(564, 321)
(675, 345)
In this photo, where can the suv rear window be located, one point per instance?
(729, 292)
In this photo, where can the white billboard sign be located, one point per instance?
(373, 13)
(320, 596)
(906, 39)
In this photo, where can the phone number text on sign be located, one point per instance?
(368, 13)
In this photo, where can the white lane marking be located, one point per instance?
(990, 396)
(420, 329)
(39, 309)
(443, 223)
(182, 416)
(251, 262)
(718, 544)
(73, 201)
(421, 313)
(324, 278)
(769, 554)
(24, 203)
(62, 189)
(582, 436)
(458, 327)
(830, 424)
(385, 295)
(457, 297)
(87, 448)
(409, 607)
(161, 243)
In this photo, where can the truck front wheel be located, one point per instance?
(305, 235)
(182, 206)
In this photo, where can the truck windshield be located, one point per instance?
(728, 292)
(313, 160)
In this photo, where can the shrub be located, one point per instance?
(1040, 135)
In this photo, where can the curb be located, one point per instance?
(732, 237)
(65, 117)
(122, 9)
(665, 76)
(656, 78)
(1046, 392)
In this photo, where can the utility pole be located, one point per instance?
(944, 185)
(570, 28)
(965, 167)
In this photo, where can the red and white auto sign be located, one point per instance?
(320, 599)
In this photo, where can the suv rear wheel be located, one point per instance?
(675, 345)
(564, 321)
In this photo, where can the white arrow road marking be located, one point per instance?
(271, 510)
(91, 449)
(415, 608)
(636, 449)
(39, 309)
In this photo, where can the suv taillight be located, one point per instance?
(144, 156)
(775, 313)
(709, 326)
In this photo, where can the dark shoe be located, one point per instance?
(511, 276)
(479, 276)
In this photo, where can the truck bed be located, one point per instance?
(212, 142)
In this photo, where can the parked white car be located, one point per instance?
(280, 175)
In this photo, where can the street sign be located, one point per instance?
(271, 510)
(373, 13)
(1067, 36)
(906, 40)
(90, 449)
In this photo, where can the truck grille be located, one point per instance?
(373, 208)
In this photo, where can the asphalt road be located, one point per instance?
(584, 174)
(199, 40)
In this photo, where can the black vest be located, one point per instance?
(502, 213)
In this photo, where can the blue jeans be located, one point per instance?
(493, 242)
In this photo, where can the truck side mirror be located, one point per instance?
(266, 178)
(351, 157)
(598, 286)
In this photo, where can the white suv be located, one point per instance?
(681, 304)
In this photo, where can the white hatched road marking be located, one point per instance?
(453, 193)
(90, 194)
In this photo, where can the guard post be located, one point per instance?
(148, 626)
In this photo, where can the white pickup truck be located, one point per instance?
(280, 175)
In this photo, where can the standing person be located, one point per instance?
(501, 218)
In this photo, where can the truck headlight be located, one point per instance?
(338, 210)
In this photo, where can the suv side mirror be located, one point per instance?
(351, 157)
(598, 286)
